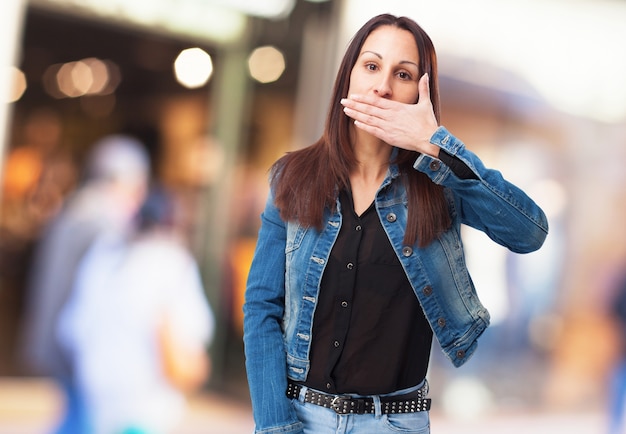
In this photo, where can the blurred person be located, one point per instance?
(137, 325)
(114, 187)
(359, 259)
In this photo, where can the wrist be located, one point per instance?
(430, 149)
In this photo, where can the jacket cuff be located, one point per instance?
(446, 141)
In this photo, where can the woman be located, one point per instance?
(359, 259)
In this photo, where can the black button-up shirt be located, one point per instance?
(370, 335)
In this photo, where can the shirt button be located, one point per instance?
(427, 290)
(460, 354)
(336, 344)
(358, 228)
(391, 217)
(329, 386)
(441, 322)
(344, 304)
(350, 266)
(434, 165)
(407, 251)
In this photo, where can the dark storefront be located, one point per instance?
(181, 127)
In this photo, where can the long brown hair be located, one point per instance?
(307, 181)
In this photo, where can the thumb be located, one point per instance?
(424, 88)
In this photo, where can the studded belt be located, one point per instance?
(346, 404)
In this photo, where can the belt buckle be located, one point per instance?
(344, 404)
(340, 404)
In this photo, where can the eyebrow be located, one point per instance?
(380, 57)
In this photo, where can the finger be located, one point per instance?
(375, 101)
(361, 117)
(353, 108)
(424, 88)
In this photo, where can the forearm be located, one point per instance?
(266, 365)
(263, 309)
(487, 201)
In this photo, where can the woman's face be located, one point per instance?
(387, 66)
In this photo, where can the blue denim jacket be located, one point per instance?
(289, 261)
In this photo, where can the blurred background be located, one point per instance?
(218, 89)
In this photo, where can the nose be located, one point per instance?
(383, 88)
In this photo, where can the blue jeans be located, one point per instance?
(321, 420)
(75, 419)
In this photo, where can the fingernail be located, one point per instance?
(344, 100)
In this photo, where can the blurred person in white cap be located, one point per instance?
(137, 325)
(117, 174)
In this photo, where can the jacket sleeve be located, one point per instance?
(263, 308)
(488, 203)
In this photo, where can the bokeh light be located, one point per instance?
(266, 64)
(74, 79)
(193, 68)
(17, 77)
(90, 76)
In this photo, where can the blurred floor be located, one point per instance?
(523, 423)
(29, 406)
